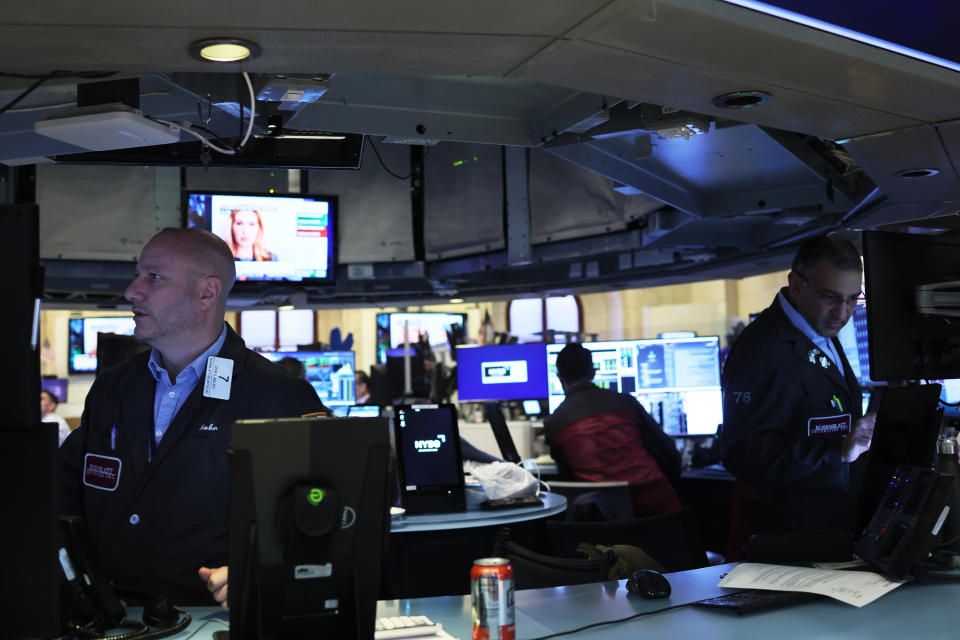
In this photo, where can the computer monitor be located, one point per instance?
(854, 338)
(907, 343)
(56, 386)
(309, 514)
(331, 373)
(434, 326)
(502, 372)
(676, 380)
(364, 411)
(82, 339)
(285, 237)
(430, 463)
(532, 408)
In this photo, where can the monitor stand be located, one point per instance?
(494, 415)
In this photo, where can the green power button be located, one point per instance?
(315, 496)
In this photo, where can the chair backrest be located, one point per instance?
(595, 500)
(672, 539)
(533, 570)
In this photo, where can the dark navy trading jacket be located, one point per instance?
(786, 407)
(153, 524)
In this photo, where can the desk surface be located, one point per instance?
(474, 516)
(912, 611)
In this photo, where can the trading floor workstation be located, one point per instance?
(379, 165)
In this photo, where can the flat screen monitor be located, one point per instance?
(532, 408)
(364, 411)
(854, 338)
(309, 515)
(906, 344)
(56, 386)
(950, 397)
(677, 380)
(391, 328)
(502, 372)
(331, 373)
(430, 463)
(275, 237)
(82, 339)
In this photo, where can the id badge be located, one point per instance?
(219, 378)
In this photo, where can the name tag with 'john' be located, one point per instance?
(829, 426)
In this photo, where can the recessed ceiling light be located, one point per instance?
(456, 300)
(741, 99)
(917, 173)
(224, 50)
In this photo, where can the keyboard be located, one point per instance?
(754, 600)
(405, 627)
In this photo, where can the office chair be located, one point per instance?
(532, 570)
(591, 501)
(672, 539)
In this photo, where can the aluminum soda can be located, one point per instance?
(491, 595)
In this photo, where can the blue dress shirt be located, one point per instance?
(169, 397)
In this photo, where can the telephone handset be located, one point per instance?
(91, 606)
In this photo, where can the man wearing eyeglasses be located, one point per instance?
(792, 426)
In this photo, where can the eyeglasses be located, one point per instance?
(831, 298)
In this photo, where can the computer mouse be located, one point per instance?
(649, 584)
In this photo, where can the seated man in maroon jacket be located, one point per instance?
(599, 435)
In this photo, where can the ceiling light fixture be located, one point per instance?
(917, 173)
(224, 50)
(741, 99)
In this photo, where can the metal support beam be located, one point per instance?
(565, 116)
(517, 213)
(808, 196)
(594, 157)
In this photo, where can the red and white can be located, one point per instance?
(491, 593)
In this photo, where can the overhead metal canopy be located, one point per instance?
(631, 164)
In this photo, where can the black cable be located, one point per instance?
(606, 622)
(41, 79)
(385, 168)
(25, 93)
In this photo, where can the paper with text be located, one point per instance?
(853, 587)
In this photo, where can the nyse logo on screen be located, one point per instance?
(504, 372)
(429, 446)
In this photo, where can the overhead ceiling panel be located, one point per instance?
(609, 71)
(493, 16)
(886, 157)
(726, 40)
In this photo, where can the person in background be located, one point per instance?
(599, 435)
(363, 388)
(48, 404)
(792, 431)
(148, 467)
(293, 366)
(246, 236)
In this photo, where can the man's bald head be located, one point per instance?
(205, 252)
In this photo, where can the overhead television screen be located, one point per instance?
(82, 339)
(273, 237)
(677, 380)
(502, 372)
